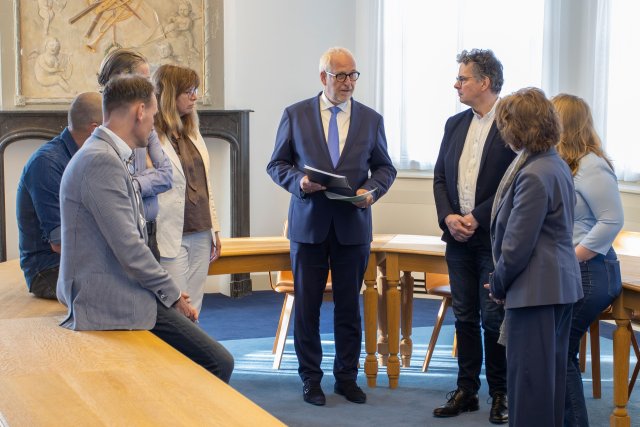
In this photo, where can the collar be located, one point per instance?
(69, 142)
(490, 114)
(124, 151)
(325, 104)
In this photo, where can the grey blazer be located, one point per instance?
(532, 236)
(108, 278)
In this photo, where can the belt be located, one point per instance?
(151, 228)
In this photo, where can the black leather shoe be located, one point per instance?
(351, 391)
(312, 393)
(458, 401)
(499, 413)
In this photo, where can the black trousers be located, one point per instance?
(152, 241)
(311, 264)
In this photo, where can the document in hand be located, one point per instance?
(328, 179)
(352, 199)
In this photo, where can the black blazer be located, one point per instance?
(496, 157)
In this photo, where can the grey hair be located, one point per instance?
(485, 64)
(325, 59)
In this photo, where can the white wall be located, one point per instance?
(271, 61)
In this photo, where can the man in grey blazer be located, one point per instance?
(109, 279)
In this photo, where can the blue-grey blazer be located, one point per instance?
(109, 279)
(532, 236)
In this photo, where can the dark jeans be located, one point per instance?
(601, 283)
(185, 336)
(152, 240)
(469, 267)
(44, 284)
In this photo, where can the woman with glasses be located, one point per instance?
(598, 219)
(150, 168)
(188, 229)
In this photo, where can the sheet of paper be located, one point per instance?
(352, 199)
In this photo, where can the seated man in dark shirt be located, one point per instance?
(38, 206)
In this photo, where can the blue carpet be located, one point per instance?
(247, 326)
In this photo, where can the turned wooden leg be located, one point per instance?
(621, 344)
(393, 319)
(406, 313)
(383, 339)
(370, 315)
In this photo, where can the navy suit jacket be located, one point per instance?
(496, 157)
(364, 161)
(532, 236)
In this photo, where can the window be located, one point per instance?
(621, 134)
(420, 41)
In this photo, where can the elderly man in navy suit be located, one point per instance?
(472, 160)
(333, 133)
(109, 278)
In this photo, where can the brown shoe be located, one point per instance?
(458, 401)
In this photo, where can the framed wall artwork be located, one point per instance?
(61, 43)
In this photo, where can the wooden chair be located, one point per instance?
(284, 284)
(626, 242)
(438, 284)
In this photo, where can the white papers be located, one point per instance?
(352, 199)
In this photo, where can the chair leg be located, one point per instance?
(454, 348)
(582, 355)
(594, 339)
(636, 370)
(446, 302)
(283, 329)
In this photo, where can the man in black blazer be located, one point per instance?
(472, 159)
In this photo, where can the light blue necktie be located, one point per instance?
(333, 139)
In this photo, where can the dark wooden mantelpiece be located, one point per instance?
(231, 126)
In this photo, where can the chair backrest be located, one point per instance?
(284, 278)
(433, 280)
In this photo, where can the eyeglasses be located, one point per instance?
(341, 77)
(462, 79)
(192, 92)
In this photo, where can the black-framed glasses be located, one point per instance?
(462, 79)
(341, 77)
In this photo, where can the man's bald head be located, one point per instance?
(85, 112)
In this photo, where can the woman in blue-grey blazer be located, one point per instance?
(536, 274)
(598, 219)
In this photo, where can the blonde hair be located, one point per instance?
(119, 61)
(578, 137)
(170, 82)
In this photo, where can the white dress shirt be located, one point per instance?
(469, 164)
(342, 118)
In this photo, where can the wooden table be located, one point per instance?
(399, 253)
(628, 247)
(55, 376)
(50, 375)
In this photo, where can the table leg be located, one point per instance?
(370, 314)
(621, 343)
(406, 311)
(393, 319)
(383, 339)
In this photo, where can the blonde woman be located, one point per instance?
(598, 219)
(188, 229)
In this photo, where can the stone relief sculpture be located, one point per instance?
(53, 68)
(63, 41)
